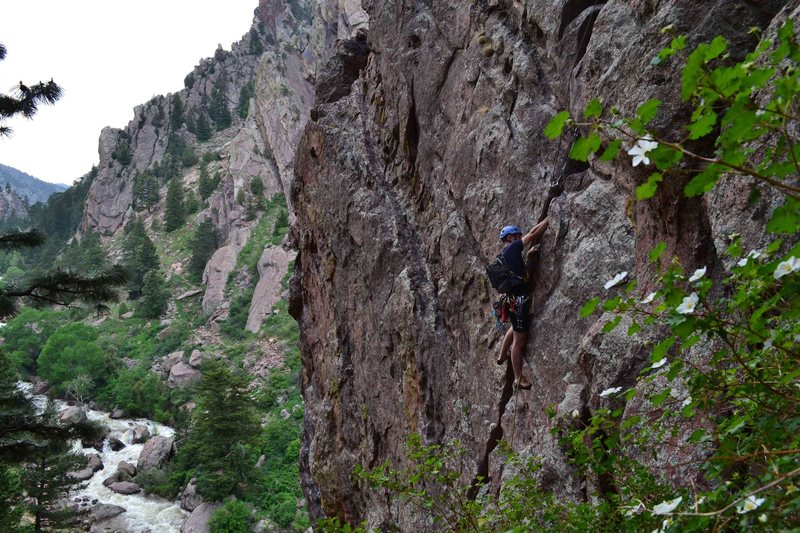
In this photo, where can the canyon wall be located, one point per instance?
(424, 140)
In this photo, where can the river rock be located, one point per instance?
(82, 475)
(115, 444)
(74, 415)
(181, 374)
(125, 487)
(94, 462)
(190, 499)
(198, 520)
(116, 414)
(104, 511)
(40, 388)
(139, 434)
(156, 452)
(125, 466)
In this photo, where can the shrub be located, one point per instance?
(233, 517)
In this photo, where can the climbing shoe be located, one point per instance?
(522, 384)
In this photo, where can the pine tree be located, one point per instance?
(176, 113)
(203, 127)
(203, 245)
(46, 482)
(206, 185)
(224, 425)
(155, 295)
(145, 191)
(27, 103)
(139, 256)
(174, 214)
(219, 112)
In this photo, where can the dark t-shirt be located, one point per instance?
(512, 253)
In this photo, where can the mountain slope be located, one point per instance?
(26, 185)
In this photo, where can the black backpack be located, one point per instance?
(501, 277)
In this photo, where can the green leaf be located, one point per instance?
(611, 152)
(665, 157)
(612, 304)
(716, 47)
(589, 307)
(585, 146)
(786, 218)
(609, 326)
(703, 125)
(659, 398)
(630, 422)
(705, 181)
(691, 71)
(648, 189)
(657, 251)
(556, 126)
(660, 349)
(593, 109)
(647, 111)
(698, 435)
(634, 328)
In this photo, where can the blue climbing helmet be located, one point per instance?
(509, 230)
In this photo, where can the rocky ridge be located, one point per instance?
(402, 181)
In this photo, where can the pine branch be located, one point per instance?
(22, 239)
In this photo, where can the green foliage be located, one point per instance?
(176, 117)
(122, 152)
(138, 392)
(202, 128)
(86, 256)
(139, 256)
(233, 517)
(245, 94)
(175, 213)
(222, 428)
(206, 185)
(72, 362)
(726, 364)
(155, 295)
(203, 245)
(219, 112)
(257, 186)
(25, 336)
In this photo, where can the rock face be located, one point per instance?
(215, 275)
(155, 453)
(272, 266)
(198, 520)
(182, 374)
(189, 497)
(402, 184)
(11, 204)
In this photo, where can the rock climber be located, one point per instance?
(519, 262)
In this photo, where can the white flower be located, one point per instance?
(636, 509)
(688, 304)
(686, 402)
(575, 413)
(699, 273)
(749, 503)
(612, 390)
(649, 298)
(667, 507)
(616, 280)
(762, 518)
(640, 150)
(787, 267)
(753, 254)
(659, 364)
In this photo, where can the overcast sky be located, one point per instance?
(108, 56)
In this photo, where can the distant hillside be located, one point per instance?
(26, 185)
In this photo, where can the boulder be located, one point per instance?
(139, 434)
(156, 452)
(104, 511)
(117, 413)
(189, 497)
(125, 487)
(126, 467)
(74, 415)
(40, 387)
(94, 462)
(198, 520)
(82, 475)
(115, 444)
(272, 267)
(189, 294)
(222, 262)
(181, 374)
(196, 359)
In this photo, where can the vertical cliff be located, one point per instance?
(425, 139)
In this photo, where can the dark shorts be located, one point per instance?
(520, 314)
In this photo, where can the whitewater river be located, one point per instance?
(143, 513)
